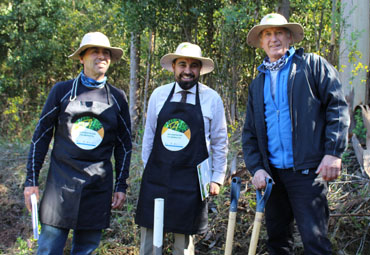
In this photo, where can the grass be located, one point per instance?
(348, 201)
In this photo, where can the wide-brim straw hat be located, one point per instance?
(187, 50)
(97, 39)
(274, 20)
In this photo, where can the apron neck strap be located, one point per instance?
(73, 95)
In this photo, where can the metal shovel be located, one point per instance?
(235, 192)
(261, 201)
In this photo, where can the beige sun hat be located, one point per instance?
(187, 50)
(97, 39)
(274, 20)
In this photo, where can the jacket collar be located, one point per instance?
(291, 52)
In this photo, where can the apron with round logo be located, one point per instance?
(79, 185)
(171, 171)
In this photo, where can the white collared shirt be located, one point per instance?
(214, 124)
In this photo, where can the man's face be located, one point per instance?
(96, 62)
(275, 41)
(187, 71)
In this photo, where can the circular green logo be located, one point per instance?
(175, 135)
(87, 132)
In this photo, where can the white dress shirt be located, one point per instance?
(214, 124)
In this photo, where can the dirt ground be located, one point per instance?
(348, 201)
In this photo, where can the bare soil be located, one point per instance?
(348, 201)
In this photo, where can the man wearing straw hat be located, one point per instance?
(89, 120)
(185, 132)
(295, 132)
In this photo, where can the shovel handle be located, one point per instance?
(255, 233)
(261, 201)
(230, 233)
(234, 196)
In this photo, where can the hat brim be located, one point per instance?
(295, 28)
(167, 60)
(116, 53)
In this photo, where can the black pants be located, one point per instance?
(298, 196)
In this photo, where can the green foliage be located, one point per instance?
(23, 247)
(345, 157)
(36, 36)
(360, 129)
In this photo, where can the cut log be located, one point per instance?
(366, 118)
(363, 156)
(366, 159)
(366, 154)
(359, 151)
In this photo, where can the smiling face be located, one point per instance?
(275, 41)
(96, 62)
(187, 72)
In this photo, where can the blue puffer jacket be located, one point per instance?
(318, 112)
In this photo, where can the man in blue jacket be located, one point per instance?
(295, 133)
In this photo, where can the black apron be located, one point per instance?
(79, 185)
(171, 172)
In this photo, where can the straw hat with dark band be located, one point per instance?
(97, 39)
(274, 20)
(187, 50)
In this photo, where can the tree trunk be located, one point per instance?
(320, 30)
(284, 8)
(189, 20)
(147, 77)
(233, 92)
(134, 81)
(234, 78)
(356, 17)
(332, 54)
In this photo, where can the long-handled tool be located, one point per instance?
(235, 192)
(261, 201)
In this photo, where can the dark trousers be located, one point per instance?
(300, 197)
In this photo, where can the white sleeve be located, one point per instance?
(150, 127)
(219, 141)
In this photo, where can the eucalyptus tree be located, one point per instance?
(136, 16)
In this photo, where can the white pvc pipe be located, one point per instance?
(158, 226)
(35, 218)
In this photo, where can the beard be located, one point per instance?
(185, 85)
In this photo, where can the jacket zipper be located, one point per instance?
(281, 143)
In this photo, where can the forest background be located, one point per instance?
(36, 36)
